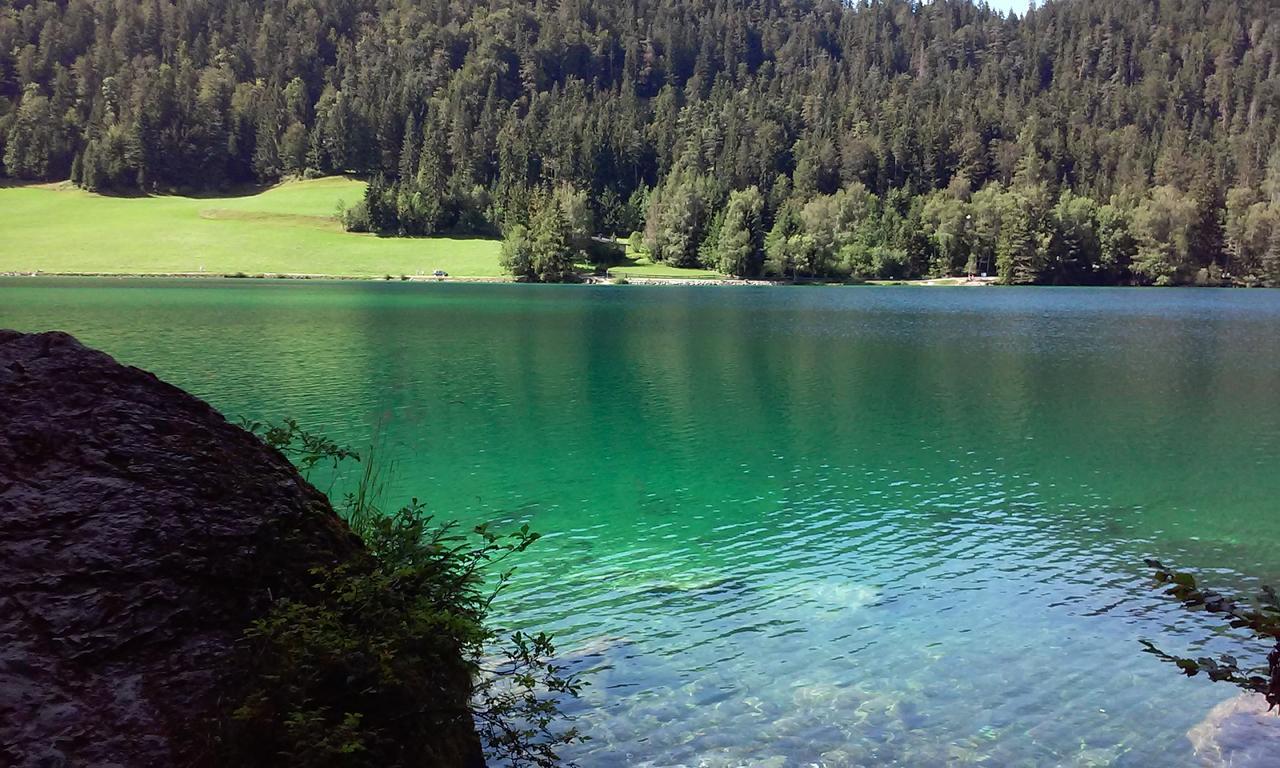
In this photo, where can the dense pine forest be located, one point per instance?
(1090, 141)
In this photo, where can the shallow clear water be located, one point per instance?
(792, 527)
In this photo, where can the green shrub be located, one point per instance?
(381, 664)
(356, 218)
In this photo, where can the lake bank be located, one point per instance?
(584, 279)
(477, 279)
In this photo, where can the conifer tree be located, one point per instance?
(549, 246)
(739, 249)
(429, 182)
(266, 153)
(1271, 259)
(1019, 251)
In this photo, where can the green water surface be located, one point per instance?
(792, 527)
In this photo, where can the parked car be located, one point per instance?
(440, 273)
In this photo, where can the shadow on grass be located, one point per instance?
(263, 217)
(225, 192)
(8, 183)
(465, 236)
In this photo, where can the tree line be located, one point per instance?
(1087, 141)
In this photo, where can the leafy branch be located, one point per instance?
(388, 649)
(1261, 617)
(305, 449)
(518, 709)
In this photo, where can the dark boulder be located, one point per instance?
(140, 533)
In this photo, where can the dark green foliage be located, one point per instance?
(1075, 250)
(551, 247)
(380, 206)
(1116, 246)
(356, 218)
(383, 663)
(1019, 252)
(658, 110)
(305, 449)
(785, 245)
(1271, 259)
(1164, 229)
(34, 139)
(681, 213)
(517, 254)
(739, 247)
(267, 165)
(558, 235)
(1260, 618)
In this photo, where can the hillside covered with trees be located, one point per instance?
(1091, 141)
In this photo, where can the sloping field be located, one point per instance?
(288, 229)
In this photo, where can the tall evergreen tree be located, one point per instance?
(550, 250)
(267, 165)
(429, 183)
(739, 248)
(1271, 260)
(1019, 250)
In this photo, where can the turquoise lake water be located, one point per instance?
(792, 527)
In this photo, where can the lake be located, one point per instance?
(791, 527)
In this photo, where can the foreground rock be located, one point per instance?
(1239, 733)
(140, 533)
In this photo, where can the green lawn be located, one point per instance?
(639, 265)
(288, 229)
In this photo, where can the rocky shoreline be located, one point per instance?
(141, 534)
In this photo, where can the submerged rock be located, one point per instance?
(1239, 733)
(140, 533)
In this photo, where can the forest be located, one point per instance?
(1086, 142)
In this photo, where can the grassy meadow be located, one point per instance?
(640, 266)
(289, 229)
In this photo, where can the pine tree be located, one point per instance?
(1271, 259)
(783, 243)
(517, 254)
(410, 148)
(90, 168)
(549, 248)
(1207, 236)
(28, 148)
(266, 153)
(293, 148)
(1019, 251)
(739, 249)
(429, 183)
(380, 205)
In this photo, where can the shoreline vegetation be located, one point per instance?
(64, 231)
(293, 231)
(950, 282)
